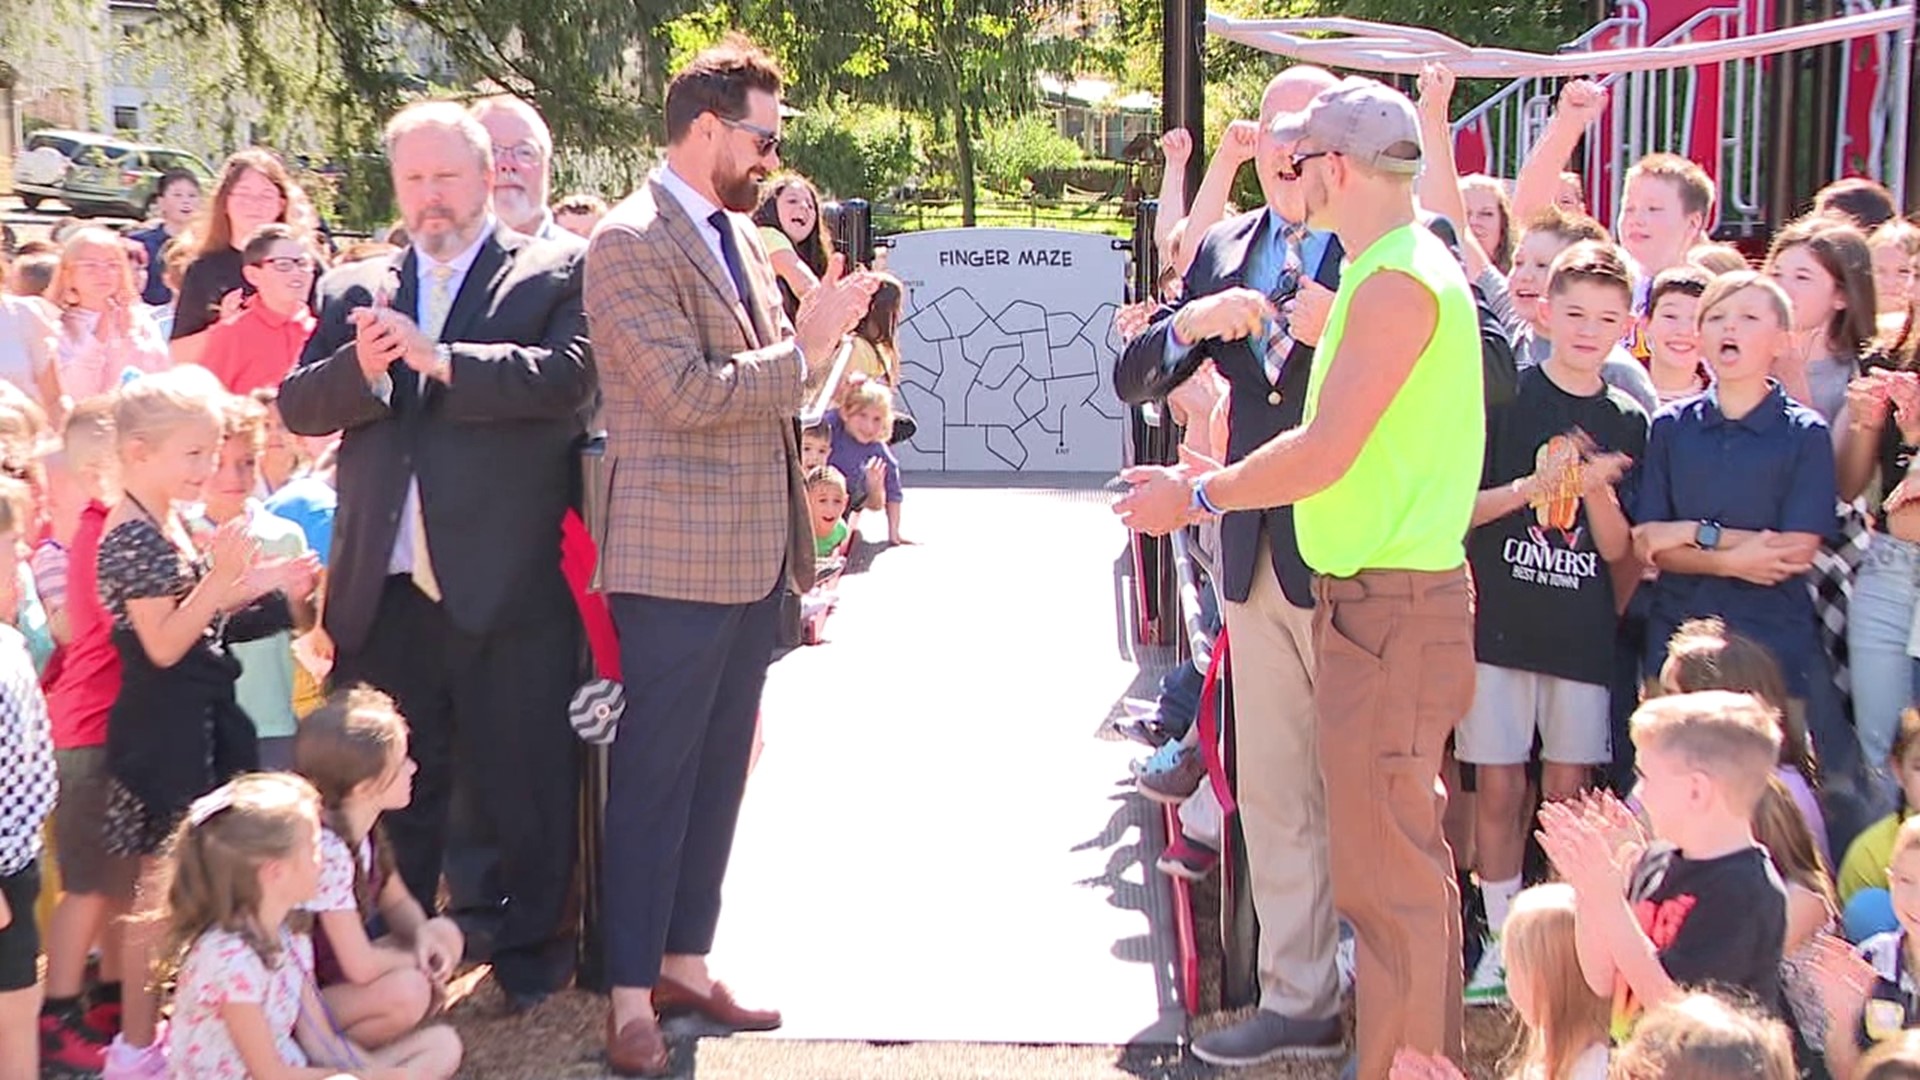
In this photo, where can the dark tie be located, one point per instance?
(730, 251)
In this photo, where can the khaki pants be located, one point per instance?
(1395, 675)
(1283, 810)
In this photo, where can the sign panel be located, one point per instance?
(1007, 349)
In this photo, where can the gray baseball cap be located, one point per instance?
(1362, 119)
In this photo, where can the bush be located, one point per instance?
(1100, 177)
(1010, 153)
(855, 151)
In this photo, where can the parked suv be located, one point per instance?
(97, 174)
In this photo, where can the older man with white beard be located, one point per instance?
(522, 165)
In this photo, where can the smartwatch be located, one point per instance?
(1706, 536)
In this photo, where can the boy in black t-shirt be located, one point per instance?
(1547, 526)
(1703, 904)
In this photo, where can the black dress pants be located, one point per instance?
(487, 715)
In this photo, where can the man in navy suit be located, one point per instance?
(1256, 295)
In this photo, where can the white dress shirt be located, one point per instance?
(400, 560)
(699, 209)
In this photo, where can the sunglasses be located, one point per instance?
(1301, 157)
(766, 142)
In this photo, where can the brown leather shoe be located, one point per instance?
(717, 1006)
(637, 1048)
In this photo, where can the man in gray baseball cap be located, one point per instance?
(1381, 507)
(1367, 122)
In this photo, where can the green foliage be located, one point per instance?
(1100, 178)
(1012, 151)
(856, 151)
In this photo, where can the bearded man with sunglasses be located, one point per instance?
(1255, 294)
(707, 524)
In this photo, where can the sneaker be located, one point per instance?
(103, 1019)
(1173, 784)
(1488, 984)
(1343, 958)
(1163, 759)
(1268, 1036)
(1187, 858)
(66, 1043)
(125, 1062)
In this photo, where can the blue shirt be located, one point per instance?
(1770, 469)
(1265, 258)
(153, 240)
(309, 503)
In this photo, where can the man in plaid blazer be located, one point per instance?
(707, 524)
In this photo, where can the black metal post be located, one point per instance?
(593, 759)
(1781, 128)
(853, 236)
(1183, 100)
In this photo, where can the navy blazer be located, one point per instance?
(1259, 410)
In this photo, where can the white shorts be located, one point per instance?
(1573, 719)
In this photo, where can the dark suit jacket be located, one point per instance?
(494, 448)
(1254, 413)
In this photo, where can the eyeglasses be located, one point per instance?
(288, 264)
(1301, 157)
(256, 198)
(524, 154)
(766, 142)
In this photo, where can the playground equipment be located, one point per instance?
(1774, 107)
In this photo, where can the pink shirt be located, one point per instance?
(256, 347)
(90, 365)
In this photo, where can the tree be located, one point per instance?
(966, 63)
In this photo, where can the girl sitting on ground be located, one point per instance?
(859, 429)
(354, 750)
(244, 1005)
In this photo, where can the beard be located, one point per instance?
(739, 191)
(516, 207)
(444, 243)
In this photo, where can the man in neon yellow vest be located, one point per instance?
(1382, 475)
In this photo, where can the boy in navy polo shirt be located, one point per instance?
(1737, 491)
(1547, 527)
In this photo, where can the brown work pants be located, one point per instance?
(1395, 674)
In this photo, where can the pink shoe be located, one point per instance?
(127, 1062)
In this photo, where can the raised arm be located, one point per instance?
(1176, 146)
(1581, 103)
(1237, 146)
(1440, 183)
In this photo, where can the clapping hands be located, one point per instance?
(1593, 843)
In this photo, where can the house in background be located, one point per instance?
(1093, 113)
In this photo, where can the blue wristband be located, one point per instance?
(1200, 496)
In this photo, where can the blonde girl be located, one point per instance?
(104, 328)
(244, 1007)
(1895, 247)
(860, 428)
(1812, 906)
(175, 730)
(354, 751)
(1565, 1022)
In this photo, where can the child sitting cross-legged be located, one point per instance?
(1702, 905)
(354, 750)
(242, 862)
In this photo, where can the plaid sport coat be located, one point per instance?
(705, 501)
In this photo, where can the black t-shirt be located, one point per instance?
(207, 279)
(1544, 595)
(1719, 922)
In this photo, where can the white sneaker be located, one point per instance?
(1489, 983)
(127, 1062)
(1343, 960)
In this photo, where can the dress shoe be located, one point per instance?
(637, 1048)
(716, 1005)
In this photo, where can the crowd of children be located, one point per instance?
(1694, 556)
(196, 882)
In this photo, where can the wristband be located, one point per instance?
(1200, 497)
